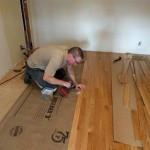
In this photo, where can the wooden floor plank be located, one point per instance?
(143, 125)
(132, 67)
(92, 128)
(137, 73)
(123, 76)
(126, 96)
(146, 71)
(136, 125)
(145, 99)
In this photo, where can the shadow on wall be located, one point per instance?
(99, 41)
(71, 43)
(104, 41)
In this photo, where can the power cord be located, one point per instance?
(12, 77)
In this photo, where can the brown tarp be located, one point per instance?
(35, 124)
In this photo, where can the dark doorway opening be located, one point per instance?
(26, 24)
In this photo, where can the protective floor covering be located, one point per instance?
(35, 124)
(122, 120)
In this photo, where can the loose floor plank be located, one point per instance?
(137, 73)
(145, 99)
(132, 67)
(123, 76)
(136, 125)
(142, 120)
(145, 70)
(126, 96)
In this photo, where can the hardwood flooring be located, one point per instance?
(92, 127)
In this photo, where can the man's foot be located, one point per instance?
(27, 79)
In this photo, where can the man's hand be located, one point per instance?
(67, 84)
(80, 86)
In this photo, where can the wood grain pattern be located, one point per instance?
(136, 125)
(137, 73)
(92, 128)
(123, 77)
(142, 119)
(145, 99)
(132, 67)
(126, 96)
(146, 71)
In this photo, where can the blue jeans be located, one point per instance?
(37, 75)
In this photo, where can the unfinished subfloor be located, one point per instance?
(92, 127)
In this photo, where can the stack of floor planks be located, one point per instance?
(140, 66)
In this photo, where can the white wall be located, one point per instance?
(11, 34)
(103, 25)
(5, 60)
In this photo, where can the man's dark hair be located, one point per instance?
(77, 51)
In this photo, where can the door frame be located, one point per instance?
(26, 24)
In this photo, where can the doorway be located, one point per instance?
(26, 24)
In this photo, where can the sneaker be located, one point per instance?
(27, 79)
(48, 93)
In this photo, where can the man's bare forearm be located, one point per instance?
(71, 74)
(53, 80)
